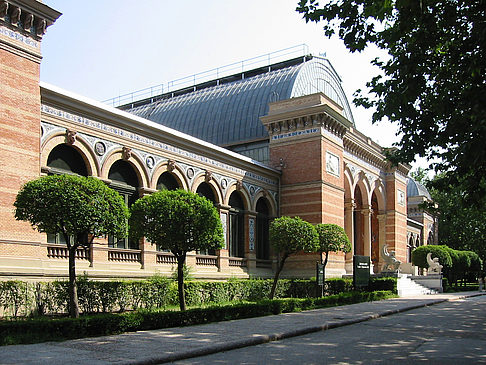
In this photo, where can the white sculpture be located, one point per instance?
(434, 266)
(391, 262)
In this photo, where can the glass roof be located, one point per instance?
(227, 111)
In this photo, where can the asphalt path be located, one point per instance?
(452, 332)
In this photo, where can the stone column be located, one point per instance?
(366, 212)
(349, 207)
(223, 255)
(381, 238)
(250, 244)
(148, 254)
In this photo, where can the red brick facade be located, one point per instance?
(321, 169)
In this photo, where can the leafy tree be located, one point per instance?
(289, 236)
(420, 175)
(463, 265)
(461, 226)
(179, 221)
(79, 208)
(431, 82)
(332, 238)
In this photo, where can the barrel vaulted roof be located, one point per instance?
(227, 111)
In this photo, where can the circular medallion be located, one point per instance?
(190, 173)
(252, 190)
(100, 148)
(224, 184)
(150, 162)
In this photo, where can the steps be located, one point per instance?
(407, 287)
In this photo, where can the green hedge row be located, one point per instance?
(43, 329)
(18, 298)
(456, 264)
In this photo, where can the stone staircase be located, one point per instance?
(407, 287)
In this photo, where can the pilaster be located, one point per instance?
(349, 207)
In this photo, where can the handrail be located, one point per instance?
(210, 75)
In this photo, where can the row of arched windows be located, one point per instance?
(66, 159)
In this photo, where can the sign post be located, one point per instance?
(361, 271)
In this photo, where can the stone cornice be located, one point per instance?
(31, 17)
(304, 115)
(364, 149)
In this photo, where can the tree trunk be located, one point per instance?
(277, 274)
(73, 292)
(180, 280)
(325, 260)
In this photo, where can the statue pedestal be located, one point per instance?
(433, 281)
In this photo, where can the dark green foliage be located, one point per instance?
(158, 292)
(41, 330)
(430, 80)
(419, 256)
(387, 284)
(462, 226)
(466, 265)
(292, 235)
(79, 208)
(15, 297)
(332, 238)
(74, 206)
(180, 221)
(289, 236)
(177, 220)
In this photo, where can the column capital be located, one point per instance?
(367, 210)
(349, 204)
(381, 217)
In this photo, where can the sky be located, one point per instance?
(105, 48)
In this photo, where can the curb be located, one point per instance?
(262, 339)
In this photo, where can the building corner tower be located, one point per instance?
(22, 25)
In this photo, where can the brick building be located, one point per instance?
(269, 141)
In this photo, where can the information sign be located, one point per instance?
(361, 271)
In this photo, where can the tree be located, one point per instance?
(289, 236)
(461, 226)
(79, 208)
(332, 238)
(432, 82)
(179, 221)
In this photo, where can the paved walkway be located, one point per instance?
(159, 346)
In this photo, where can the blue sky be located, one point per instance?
(105, 48)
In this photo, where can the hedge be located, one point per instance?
(43, 329)
(21, 299)
(456, 264)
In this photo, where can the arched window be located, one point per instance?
(236, 226)
(205, 190)
(125, 181)
(262, 229)
(358, 222)
(167, 181)
(430, 239)
(410, 249)
(64, 159)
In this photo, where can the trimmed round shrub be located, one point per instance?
(419, 256)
